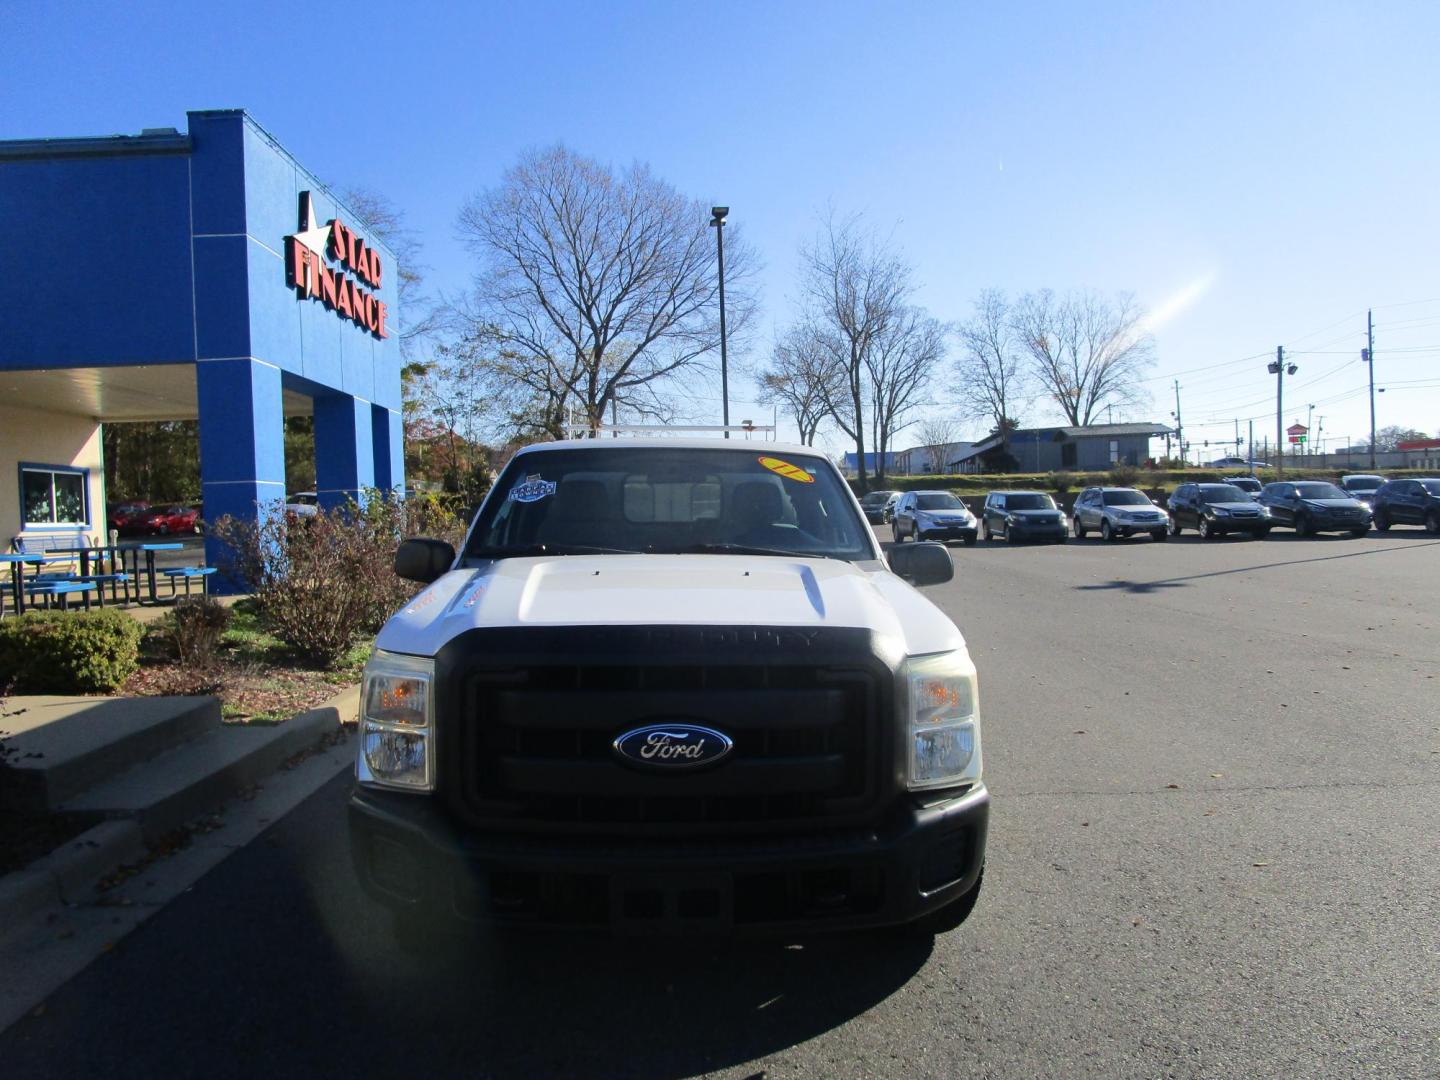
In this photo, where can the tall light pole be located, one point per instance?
(1309, 443)
(717, 222)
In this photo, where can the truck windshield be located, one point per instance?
(593, 500)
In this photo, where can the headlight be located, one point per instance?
(397, 723)
(1219, 511)
(1264, 511)
(943, 714)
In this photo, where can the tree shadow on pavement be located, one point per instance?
(1180, 582)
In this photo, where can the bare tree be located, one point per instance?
(607, 280)
(898, 368)
(1085, 351)
(937, 432)
(799, 377)
(993, 385)
(854, 287)
(418, 316)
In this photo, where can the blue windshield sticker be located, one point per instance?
(532, 490)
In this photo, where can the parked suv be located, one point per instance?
(874, 505)
(1117, 512)
(1362, 486)
(670, 686)
(932, 515)
(1023, 515)
(1408, 502)
(1311, 506)
(1216, 509)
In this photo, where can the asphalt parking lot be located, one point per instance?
(1216, 769)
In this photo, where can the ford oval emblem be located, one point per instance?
(664, 747)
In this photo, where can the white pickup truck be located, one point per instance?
(671, 686)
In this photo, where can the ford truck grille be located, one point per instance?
(535, 741)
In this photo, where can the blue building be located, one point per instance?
(168, 275)
(1048, 449)
(871, 458)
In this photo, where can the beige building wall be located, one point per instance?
(35, 437)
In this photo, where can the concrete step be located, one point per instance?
(56, 747)
(183, 783)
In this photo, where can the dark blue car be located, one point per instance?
(1314, 506)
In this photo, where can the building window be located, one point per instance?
(1114, 451)
(53, 495)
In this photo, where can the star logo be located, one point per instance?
(313, 236)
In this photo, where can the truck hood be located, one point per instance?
(670, 590)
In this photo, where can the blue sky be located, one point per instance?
(1273, 166)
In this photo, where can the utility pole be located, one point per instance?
(1278, 367)
(1250, 449)
(1309, 443)
(1179, 427)
(1370, 359)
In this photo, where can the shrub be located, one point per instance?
(1060, 482)
(1122, 475)
(321, 581)
(196, 624)
(69, 652)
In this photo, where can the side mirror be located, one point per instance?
(926, 563)
(423, 559)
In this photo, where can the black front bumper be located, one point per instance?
(412, 856)
(1135, 528)
(1222, 527)
(967, 533)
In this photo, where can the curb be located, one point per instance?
(64, 875)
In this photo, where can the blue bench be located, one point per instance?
(64, 588)
(68, 549)
(188, 574)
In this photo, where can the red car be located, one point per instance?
(171, 519)
(130, 517)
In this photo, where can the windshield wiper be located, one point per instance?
(521, 551)
(740, 549)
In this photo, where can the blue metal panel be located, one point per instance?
(344, 449)
(389, 443)
(95, 257)
(300, 333)
(222, 318)
(217, 172)
(242, 445)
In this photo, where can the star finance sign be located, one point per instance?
(332, 264)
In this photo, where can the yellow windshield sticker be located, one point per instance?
(785, 469)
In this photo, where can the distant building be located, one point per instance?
(870, 459)
(928, 460)
(1050, 449)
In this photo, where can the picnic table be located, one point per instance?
(60, 587)
(132, 551)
